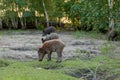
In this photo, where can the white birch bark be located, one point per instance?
(46, 14)
(111, 20)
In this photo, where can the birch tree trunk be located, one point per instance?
(111, 20)
(14, 23)
(46, 14)
(23, 23)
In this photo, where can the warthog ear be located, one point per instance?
(42, 40)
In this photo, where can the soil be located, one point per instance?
(23, 45)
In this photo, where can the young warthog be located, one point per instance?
(50, 37)
(48, 30)
(50, 46)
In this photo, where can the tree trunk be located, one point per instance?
(0, 23)
(23, 23)
(36, 22)
(14, 23)
(46, 14)
(8, 24)
(112, 34)
(111, 20)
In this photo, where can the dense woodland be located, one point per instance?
(88, 15)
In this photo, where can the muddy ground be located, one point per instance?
(23, 45)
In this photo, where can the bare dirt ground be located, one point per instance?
(23, 45)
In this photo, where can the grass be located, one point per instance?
(27, 71)
(35, 70)
(9, 31)
(104, 66)
(91, 34)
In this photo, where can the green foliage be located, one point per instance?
(58, 12)
(118, 29)
(82, 13)
(40, 27)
